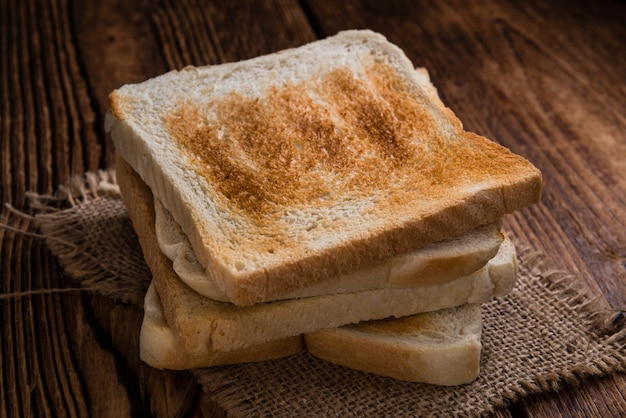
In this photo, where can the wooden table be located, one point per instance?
(547, 79)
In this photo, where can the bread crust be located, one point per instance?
(439, 348)
(159, 347)
(435, 263)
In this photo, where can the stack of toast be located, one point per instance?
(318, 198)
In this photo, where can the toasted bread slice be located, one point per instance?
(200, 323)
(440, 348)
(435, 263)
(293, 168)
(159, 348)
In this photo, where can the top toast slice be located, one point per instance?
(295, 167)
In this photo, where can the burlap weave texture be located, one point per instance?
(545, 333)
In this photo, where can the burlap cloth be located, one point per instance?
(547, 332)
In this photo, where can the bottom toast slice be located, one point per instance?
(440, 348)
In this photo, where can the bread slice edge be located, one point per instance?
(420, 348)
(159, 346)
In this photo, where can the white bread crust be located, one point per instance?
(435, 263)
(159, 347)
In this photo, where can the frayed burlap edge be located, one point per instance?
(60, 220)
(602, 318)
(77, 191)
(57, 222)
(607, 324)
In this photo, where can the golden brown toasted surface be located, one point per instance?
(293, 144)
(119, 105)
(304, 144)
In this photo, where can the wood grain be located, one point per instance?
(56, 359)
(500, 60)
(547, 79)
(117, 45)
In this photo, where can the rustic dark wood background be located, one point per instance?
(547, 79)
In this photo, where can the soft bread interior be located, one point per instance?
(435, 263)
(441, 347)
(200, 323)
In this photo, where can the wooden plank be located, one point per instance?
(35, 374)
(13, 162)
(596, 398)
(492, 65)
(191, 34)
(117, 44)
(70, 354)
(58, 357)
(518, 73)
